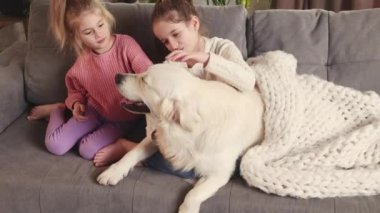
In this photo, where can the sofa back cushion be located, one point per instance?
(46, 66)
(340, 47)
(302, 33)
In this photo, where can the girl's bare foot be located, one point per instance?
(113, 152)
(43, 111)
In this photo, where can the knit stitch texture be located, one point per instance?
(321, 139)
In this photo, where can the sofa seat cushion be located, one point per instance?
(33, 180)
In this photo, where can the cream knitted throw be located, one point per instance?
(321, 139)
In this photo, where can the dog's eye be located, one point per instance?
(145, 80)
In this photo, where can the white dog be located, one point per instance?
(196, 124)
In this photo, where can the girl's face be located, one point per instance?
(94, 32)
(178, 36)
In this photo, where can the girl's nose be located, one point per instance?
(96, 33)
(173, 45)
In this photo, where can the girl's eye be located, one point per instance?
(87, 32)
(101, 25)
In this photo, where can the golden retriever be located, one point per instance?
(196, 124)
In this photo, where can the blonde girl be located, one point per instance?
(97, 119)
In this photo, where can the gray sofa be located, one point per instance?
(340, 47)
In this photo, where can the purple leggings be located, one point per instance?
(92, 134)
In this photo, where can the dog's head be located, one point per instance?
(163, 90)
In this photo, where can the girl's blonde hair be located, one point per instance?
(64, 20)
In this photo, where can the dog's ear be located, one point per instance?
(181, 113)
(167, 109)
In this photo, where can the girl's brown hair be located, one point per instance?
(64, 20)
(174, 11)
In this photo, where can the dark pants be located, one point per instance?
(158, 162)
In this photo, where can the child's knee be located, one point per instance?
(55, 147)
(87, 150)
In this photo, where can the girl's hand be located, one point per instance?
(79, 111)
(189, 58)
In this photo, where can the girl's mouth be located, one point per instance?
(100, 41)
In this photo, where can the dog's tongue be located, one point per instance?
(134, 107)
(126, 101)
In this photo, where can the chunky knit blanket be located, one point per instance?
(321, 139)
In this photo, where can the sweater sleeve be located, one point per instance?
(227, 63)
(75, 92)
(139, 61)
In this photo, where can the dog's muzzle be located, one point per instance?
(136, 107)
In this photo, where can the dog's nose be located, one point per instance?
(118, 78)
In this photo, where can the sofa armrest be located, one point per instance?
(12, 83)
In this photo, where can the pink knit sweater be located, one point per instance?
(91, 79)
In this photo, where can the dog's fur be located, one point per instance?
(196, 124)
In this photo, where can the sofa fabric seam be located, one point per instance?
(328, 63)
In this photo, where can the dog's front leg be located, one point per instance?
(120, 169)
(203, 189)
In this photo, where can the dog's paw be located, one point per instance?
(111, 176)
(188, 209)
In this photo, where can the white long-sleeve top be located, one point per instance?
(226, 64)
